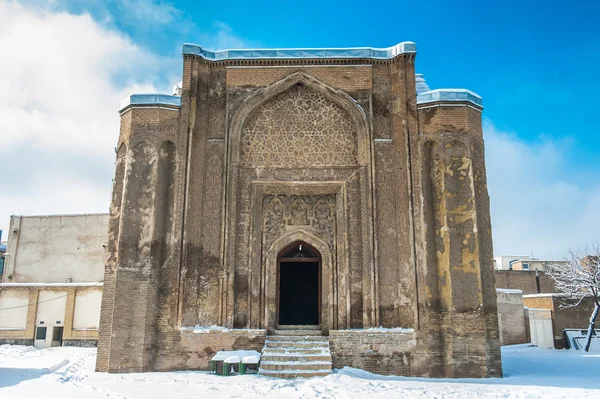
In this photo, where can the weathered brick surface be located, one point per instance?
(436, 118)
(196, 349)
(524, 281)
(511, 318)
(346, 77)
(377, 352)
(401, 224)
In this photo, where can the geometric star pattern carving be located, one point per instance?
(299, 128)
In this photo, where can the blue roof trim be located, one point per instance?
(446, 95)
(150, 99)
(297, 53)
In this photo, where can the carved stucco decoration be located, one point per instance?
(251, 231)
(299, 128)
(295, 87)
(316, 212)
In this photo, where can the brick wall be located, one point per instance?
(345, 77)
(434, 119)
(196, 349)
(511, 317)
(524, 281)
(378, 352)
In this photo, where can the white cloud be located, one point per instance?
(60, 78)
(63, 76)
(536, 206)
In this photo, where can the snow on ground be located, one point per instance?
(530, 372)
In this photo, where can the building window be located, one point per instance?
(40, 333)
(1, 264)
(57, 334)
(525, 266)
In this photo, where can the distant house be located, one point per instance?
(523, 263)
(504, 262)
(51, 285)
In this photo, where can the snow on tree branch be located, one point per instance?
(579, 278)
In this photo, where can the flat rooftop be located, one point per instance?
(301, 53)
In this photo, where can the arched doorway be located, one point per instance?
(299, 286)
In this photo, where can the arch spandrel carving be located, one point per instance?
(337, 102)
(299, 127)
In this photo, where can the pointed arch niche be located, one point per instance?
(346, 103)
(250, 289)
(271, 276)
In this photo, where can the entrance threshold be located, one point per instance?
(297, 327)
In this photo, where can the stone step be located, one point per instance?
(295, 373)
(303, 353)
(299, 351)
(300, 332)
(297, 338)
(303, 366)
(296, 344)
(295, 358)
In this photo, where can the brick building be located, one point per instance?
(511, 317)
(530, 282)
(302, 191)
(561, 317)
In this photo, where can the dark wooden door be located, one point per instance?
(299, 286)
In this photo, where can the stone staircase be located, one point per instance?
(296, 353)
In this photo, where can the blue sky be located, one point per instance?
(535, 65)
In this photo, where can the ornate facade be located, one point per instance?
(333, 150)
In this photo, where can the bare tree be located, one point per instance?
(579, 278)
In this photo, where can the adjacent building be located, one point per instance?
(51, 287)
(512, 320)
(557, 317)
(522, 263)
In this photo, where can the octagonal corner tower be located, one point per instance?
(317, 189)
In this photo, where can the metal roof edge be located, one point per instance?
(300, 53)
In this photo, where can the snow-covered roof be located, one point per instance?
(198, 329)
(449, 95)
(547, 295)
(96, 284)
(222, 355)
(509, 291)
(61, 215)
(300, 53)
(421, 84)
(151, 99)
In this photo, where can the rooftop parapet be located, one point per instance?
(449, 95)
(299, 53)
(149, 100)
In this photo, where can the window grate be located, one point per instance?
(299, 252)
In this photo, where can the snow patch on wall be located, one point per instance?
(208, 329)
